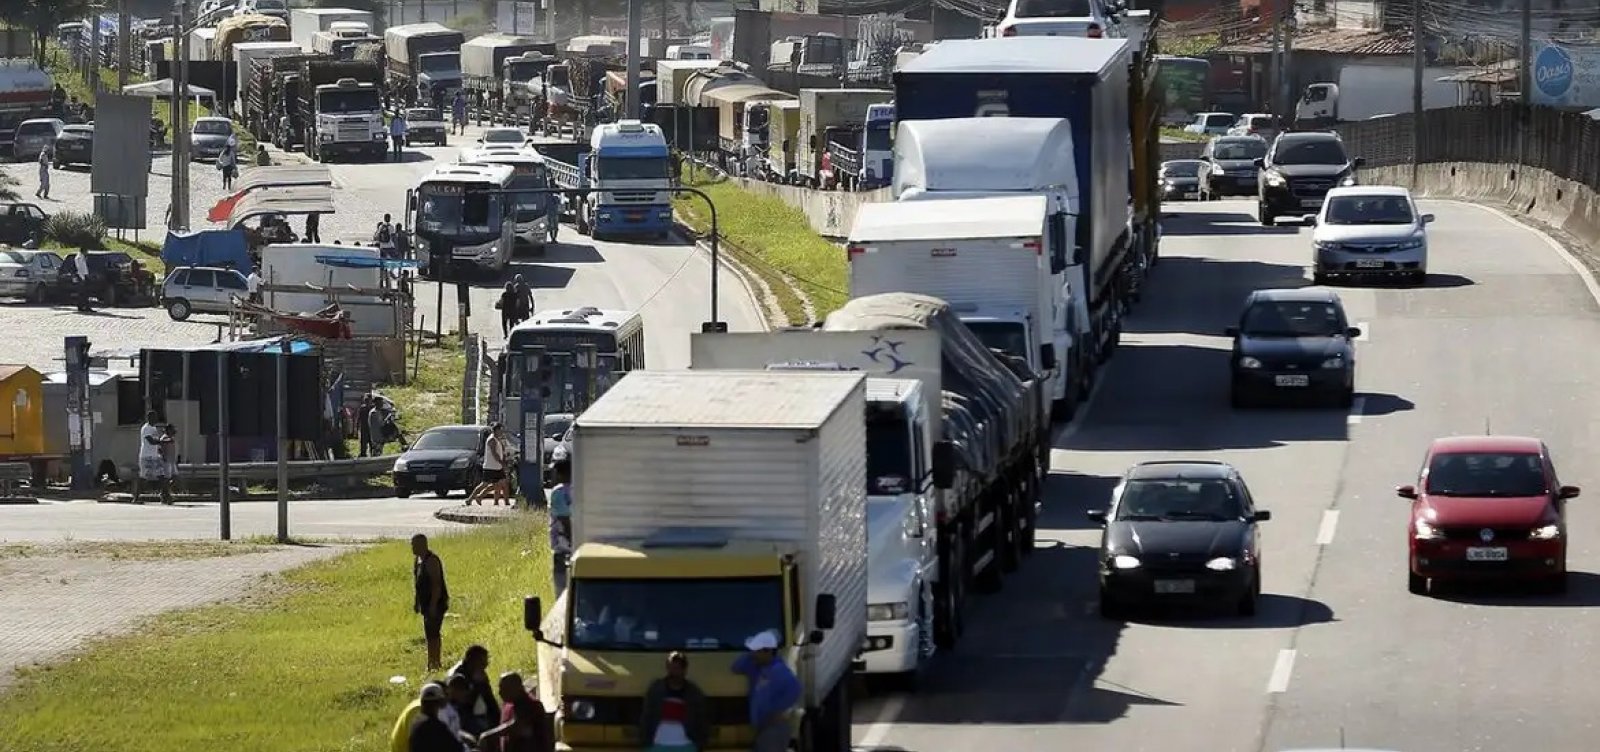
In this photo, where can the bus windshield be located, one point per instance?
(453, 208)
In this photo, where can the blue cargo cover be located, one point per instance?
(1082, 80)
(219, 248)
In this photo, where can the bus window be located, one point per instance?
(475, 209)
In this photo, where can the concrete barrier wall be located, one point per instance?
(831, 213)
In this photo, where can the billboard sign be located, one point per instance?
(1565, 76)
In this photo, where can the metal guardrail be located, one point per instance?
(357, 467)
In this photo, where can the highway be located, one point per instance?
(1339, 649)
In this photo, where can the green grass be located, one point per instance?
(1179, 134)
(772, 239)
(433, 398)
(302, 666)
(134, 550)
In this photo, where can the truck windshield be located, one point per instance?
(889, 465)
(523, 71)
(673, 614)
(557, 77)
(878, 139)
(631, 168)
(351, 102)
(445, 63)
(1009, 337)
(452, 209)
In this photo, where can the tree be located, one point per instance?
(42, 17)
(8, 187)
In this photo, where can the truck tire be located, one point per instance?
(950, 595)
(1062, 410)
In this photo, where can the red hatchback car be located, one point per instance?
(1488, 507)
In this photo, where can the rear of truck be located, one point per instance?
(672, 555)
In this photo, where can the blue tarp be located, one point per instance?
(353, 261)
(206, 248)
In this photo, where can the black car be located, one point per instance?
(75, 146)
(1230, 166)
(115, 279)
(1298, 171)
(1293, 343)
(442, 459)
(1180, 178)
(1181, 532)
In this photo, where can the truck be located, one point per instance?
(251, 27)
(672, 76)
(202, 44)
(424, 63)
(626, 170)
(825, 109)
(340, 108)
(861, 156)
(341, 44)
(26, 90)
(1366, 90)
(743, 111)
(248, 57)
(270, 96)
(306, 23)
(483, 63)
(516, 101)
(959, 117)
(783, 127)
(902, 427)
(987, 257)
(820, 54)
(672, 555)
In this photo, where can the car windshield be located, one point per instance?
(1239, 150)
(1293, 319)
(1369, 210)
(1209, 499)
(1487, 474)
(449, 438)
(1310, 152)
(504, 137)
(213, 127)
(1054, 9)
(657, 615)
(1219, 120)
(36, 129)
(555, 426)
(1183, 169)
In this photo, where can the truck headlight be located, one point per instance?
(1424, 531)
(380, 136)
(582, 710)
(887, 612)
(1222, 564)
(1249, 362)
(1547, 532)
(400, 465)
(325, 136)
(1123, 561)
(460, 463)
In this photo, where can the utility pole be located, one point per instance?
(1287, 83)
(1418, 64)
(635, 29)
(223, 480)
(180, 123)
(1525, 117)
(94, 47)
(282, 389)
(124, 44)
(666, 10)
(1275, 69)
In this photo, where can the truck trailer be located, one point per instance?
(250, 56)
(483, 64)
(822, 110)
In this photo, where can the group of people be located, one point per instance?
(377, 424)
(462, 712)
(393, 241)
(515, 304)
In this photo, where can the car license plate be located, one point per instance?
(1369, 264)
(427, 478)
(1292, 379)
(1174, 587)
(1487, 554)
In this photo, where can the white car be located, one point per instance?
(1370, 231)
(1211, 124)
(1060, 18)
(503, 137)
(1254, 124)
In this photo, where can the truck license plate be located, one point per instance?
(427, 478)
(1292, 380)
(1369, 264)
(1174, 587)
(1487, 554)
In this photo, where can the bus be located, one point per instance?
(535, 224)
(1186, 86)
(462, 220)
(618, 338)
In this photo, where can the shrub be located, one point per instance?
(76, 230)
(8, 187)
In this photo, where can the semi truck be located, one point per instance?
(271, 98)
(340, 107)
(250, 56)
(825, 109)
(861, 155)
(26, 90)
(627, 170)
(483, 63)
(306, 23)
(251, 27)
(340, 43)
(959, 116)
(1364, 91)
(672, 555)
(517, 103)
(672, 76)
(424, 62)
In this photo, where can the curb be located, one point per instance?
(18, 500)
(754, 286)
(479, 515)
(366, 494)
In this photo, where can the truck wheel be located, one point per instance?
(828, 729)
(950, 596)
(1010, 537)
(1264, 212)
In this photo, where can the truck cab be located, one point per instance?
(1318, 106)
(629, 170)
(438, 76)
(689, 52)
(519, 72)
(348, 120)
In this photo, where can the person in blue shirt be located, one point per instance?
(774, 691)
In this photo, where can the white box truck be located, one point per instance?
(712, 506)
(305, 23)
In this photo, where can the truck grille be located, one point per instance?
(614, 711)
(351, 133)
(633, 197)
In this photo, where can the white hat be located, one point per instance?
(432, 692)
(762, 641)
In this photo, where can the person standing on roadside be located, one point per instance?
(152, 461)
(432, 596)
(774, 690)
(252, 285)
(80, 264)
(45, 156)
(397, 135)
(508, 308)
(458, 113)
(313, 228)
(228, 162)
(384, 237)
(363, 428)
(674, 718)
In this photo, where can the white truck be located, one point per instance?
(1365, 91)
(247, 56)
(306, 23)
(902, 427)
(983, 256)
(979, 158)
(716, 506)
(200, 44)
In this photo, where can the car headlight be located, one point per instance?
(1323, 245)
(887, 612)
(1413, 244)
(1249, 362)
(1124, 561)
(1336, 361)
(1548, 532)
(460, 463)
(1348, 181)
(1273, 178)
(1222, 564)
(581, 710)
(325, 136)
(1424, 531)
(400, 465)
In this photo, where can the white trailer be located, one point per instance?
(247, 56)
(305, 23)
(200, 42)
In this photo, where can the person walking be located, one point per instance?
(496, 459)
(561, 507)
(397, 135)
(524, 298)
(508, 308)
(152, 460)
(45, 156)
(432, 596)
(363, 427)
(252, 285)
(378, 426)
(384, 237)
(313, 228)
(458, 113)
(402, 243)
(80, 265)
(228, 162)
(774, 690)
(674, 717)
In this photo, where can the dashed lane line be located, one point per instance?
(1329, 526)
(1281, 671)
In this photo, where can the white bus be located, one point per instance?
(618, 338)
(457, 207)
(535, 223)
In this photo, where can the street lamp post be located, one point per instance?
(715, 324)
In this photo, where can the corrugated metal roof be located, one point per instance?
(1329, 41)
(722, 399)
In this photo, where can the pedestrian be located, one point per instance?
(458, 695)
(496, 459)
(552, 215)
(430, 733)
(252, 285)
(378, 427)
(169, 456)
(524, 725)
(363, 429)
(80, 264)
(508, 308)
(674, 718)
(774, 690)
(228, 162)
(384, 237)
(561, 507)
(432, 596)
(313, 228)
(458, 113)
(45, 156)
(482, 709)
(152, 462)
(402, 243)
(524, 299)
(397, 134)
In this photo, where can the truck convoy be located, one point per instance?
(485, 62)
(306, 23)
(839, 112)
(626, 172)
(665, 561)
(424, 63)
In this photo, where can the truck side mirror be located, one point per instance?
(532, 614)
(827, 610)
(1047, 357)
(944, 465)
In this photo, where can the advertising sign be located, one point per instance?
(1565, 76)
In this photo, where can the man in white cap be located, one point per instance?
(774, 690)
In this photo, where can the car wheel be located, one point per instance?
(1420, 279)
(1557, 584)
(1110, 607)
(442, 491)
(1347, 398)
(36, 295)
(179, 310)
(1247, 605)
(402, 492)
(1416, 584)
(1264, 212)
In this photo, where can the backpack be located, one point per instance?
(385, 232)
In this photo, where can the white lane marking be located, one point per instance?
(1366, 331)
(1329, 526)
(1359, 404)
(1279, 683)
(893, 706)
(1583, 271)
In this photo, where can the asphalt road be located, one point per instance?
(1498, 337)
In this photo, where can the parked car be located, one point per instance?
(442, 459)
(425, 125)
(1487, 507)
(75, 146)
(1296, 344)
(1231, 166)
(557, 426)
(1050, 18)
(32, 136)
(115, 279)
(20, 223)
(209, 137)
(1255, 124)
(201, 289)
(27, 273)
(1180, 531)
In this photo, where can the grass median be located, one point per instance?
(302, 666)
(773, 240)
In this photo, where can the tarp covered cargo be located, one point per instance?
(483, 56)
(206, 248)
